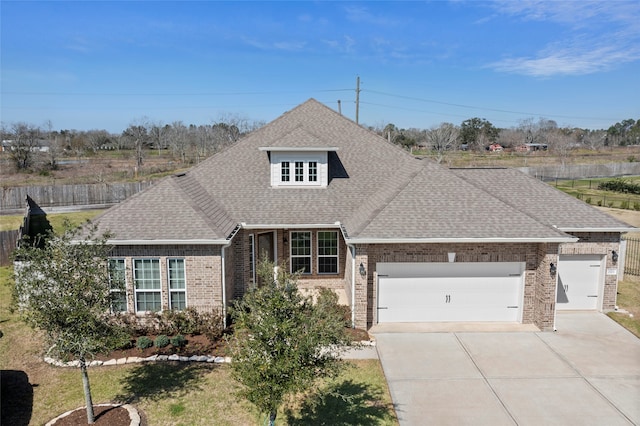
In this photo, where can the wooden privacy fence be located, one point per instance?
(632, 256)
(70, 195)
(8, 241)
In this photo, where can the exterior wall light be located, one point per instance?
(553, 269)
(363, 271)
(614, 256)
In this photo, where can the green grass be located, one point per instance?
(175, 393)
(629, 300)
(11, 222)
(587, 190)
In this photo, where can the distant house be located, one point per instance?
(400, 239)
(40, 145)
(494, 147)
(529, 147)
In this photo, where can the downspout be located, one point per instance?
(353, 284)
(555, 293)
(224, 285)
(223, 270)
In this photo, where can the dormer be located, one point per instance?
(299, 167)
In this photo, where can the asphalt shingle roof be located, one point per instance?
(376, 191)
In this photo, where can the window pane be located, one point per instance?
(146, 273)
(301, 263)
(301, 251)
(178, 300)
(176, 274)
(327, 243)
(118, 301)
(299, 171)
(313, 171)
(328, 265)
(148, 301)
(285, 171)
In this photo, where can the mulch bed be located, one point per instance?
(104, 416)
(196, 345)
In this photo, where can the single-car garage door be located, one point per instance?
(579, 278)
(434, 292)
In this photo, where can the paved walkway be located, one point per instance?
(586, 373)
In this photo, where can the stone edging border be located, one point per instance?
(158, 358)
(134, 416)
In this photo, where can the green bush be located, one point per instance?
(178, 341)
(144, 342)
(636, 206)
(624, 205)
(588, 200)
(619, 185)
(610, 204)
(162, 341)
(599, 203)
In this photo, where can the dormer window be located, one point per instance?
(299, 167)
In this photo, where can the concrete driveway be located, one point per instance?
(586, 373)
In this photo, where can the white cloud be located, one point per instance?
(597, 36)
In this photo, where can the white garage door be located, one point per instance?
(434, 292)
(579, 278)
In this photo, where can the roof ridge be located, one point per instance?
(386, 201)
(191, 189)
(505, 201)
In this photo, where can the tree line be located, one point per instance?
(477, 134)
(192, 143)
(33, 147)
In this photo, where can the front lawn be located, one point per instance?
(170, 393)
(629, 300)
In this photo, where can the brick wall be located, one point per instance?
(538, 289)
(203, 272)
(602, 243)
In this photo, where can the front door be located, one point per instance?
(266, 249)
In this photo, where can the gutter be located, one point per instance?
(168, 242)
(618, 229)
(459, 240)
(290, 226)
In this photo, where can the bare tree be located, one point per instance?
(442, 139)
(24, 144)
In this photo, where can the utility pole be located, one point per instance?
(357, 99)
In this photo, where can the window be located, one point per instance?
(313, 171)
(118, 284)
(177, 284)
(301, 251)
(327, 252)
(299, 171)
(284, 171)
(146, 277)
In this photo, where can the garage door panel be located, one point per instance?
(579, 278)
(453, 298)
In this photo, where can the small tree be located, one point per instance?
(283, 343)
(64, 289)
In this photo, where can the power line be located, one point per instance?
(481, 108)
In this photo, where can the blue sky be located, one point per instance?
(104, 65)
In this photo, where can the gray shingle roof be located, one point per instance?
(541, 201)
(376, 191)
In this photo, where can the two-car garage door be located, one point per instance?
(434, 292)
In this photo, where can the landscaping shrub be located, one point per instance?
(144, 342)
(178, 341)
(636, 206)
(619, 185)
(610, 204)
(624, 205)
(188, 321)
(162, 341)
(211, 325)
(588, 200)
(599, 203)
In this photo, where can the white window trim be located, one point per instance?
(136, 290)
(337, 255)
(321, 169)
(111, 290)
(310, 255)
(181, 290)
